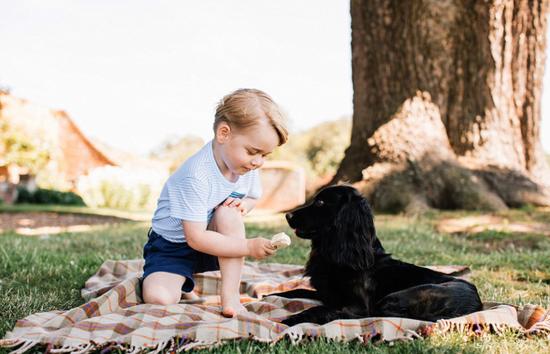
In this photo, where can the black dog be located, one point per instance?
(354, 277)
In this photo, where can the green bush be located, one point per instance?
(48, 196)
(115, 187)
(24, 196)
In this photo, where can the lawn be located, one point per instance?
(46, 273)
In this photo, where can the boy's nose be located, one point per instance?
(257, 162)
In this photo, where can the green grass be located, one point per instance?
(47, 274)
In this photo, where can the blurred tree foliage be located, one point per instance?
(176, 150)
(18, 148)
(319, 150)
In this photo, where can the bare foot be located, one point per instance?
(191, 298)
(232, 310)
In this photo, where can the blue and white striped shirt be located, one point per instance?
(194, 190)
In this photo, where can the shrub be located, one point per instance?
(48, 196)
(24, 196)
(120, 188)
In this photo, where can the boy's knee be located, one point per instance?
(159, 289)
(225, 214)
(161, 296)
(227, 219)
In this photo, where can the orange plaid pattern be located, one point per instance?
(115, 317)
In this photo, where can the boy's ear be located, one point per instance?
(223, 132)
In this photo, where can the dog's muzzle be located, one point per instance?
(289, 217)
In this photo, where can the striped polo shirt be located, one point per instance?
(193, 191)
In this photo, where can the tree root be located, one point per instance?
(416, 169)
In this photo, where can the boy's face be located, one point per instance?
(245, 150)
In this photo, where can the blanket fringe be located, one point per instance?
(475, 329)
(468, 329)
(160, 347)
(411, 335)
(295, 336)
(178, 344)
(198, 345)
(135, 349)
(10, 343)
(63, 349)
(540, 328)
(85, 349)
(27, 344)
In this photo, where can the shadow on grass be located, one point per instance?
(490, 241)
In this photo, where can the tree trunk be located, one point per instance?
(477, 68)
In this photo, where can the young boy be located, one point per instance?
(198, 224)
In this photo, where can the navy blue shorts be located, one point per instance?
(178, 258)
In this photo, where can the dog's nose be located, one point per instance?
(288, 217)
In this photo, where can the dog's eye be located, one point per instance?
(319, 203)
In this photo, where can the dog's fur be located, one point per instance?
(354, 277)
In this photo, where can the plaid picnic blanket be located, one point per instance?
(114, 316)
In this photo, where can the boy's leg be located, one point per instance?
(228, 221)
(162, 288)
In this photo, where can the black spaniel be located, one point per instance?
(354, 277)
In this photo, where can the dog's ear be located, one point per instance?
(354, 242)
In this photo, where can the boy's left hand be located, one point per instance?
(235, 203)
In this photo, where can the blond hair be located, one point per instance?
(244, 107)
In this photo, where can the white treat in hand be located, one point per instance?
(280, 240)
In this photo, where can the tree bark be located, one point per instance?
(479, 64)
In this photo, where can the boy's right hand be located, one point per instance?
(260, 248)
